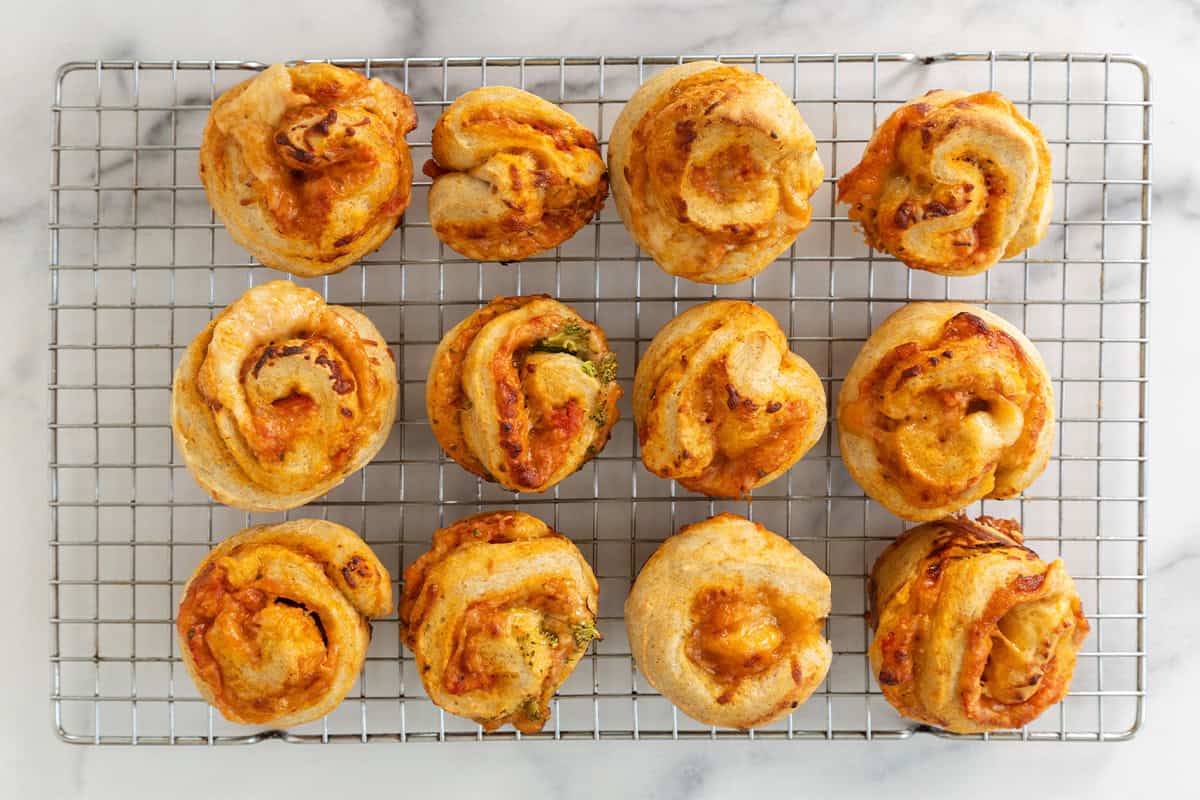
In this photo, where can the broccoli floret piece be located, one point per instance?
(531, 708)
(584, 632)
(606, 368)
(573, 339)
(603, 370)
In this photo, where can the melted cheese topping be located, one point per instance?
(734, 636)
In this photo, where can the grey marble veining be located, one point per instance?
(40, 36)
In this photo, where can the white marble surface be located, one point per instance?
(38, 36)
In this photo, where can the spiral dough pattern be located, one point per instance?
(523, 392)
(307, 166)
(721, 404)
(713, 169)
(725, 620)
(973, 632)
(951, 183)
(281, 397)
(946, 404)
(513, 175)
(273, 626)
(497, 614)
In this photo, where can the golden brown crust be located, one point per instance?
(513, 175)
(273, 624)
(307, 166)
(725, 620)
(497, 615)
(712, 169)
(523, 392)
(946, 404)
(951, 183)
(281, 398)
(721, 404)
(973, 632)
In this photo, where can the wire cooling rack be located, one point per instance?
(139, 264)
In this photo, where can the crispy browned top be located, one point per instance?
(726, 620)
(519, 626)
(273, 620)
(720, 168)
(302, 162)
(722, 405)
(523, 392)
(918, 407)
(951, 183)
(513, 175)
(292, 386)
(963, 603)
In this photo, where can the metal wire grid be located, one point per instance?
(138, 264)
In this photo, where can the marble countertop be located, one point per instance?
(39, 36)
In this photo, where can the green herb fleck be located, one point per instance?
(551, 636)
(573, 339)
(531, 708)
(600, 415)
(478, 534)
(526, 648)
(584, 632)
(589, 368)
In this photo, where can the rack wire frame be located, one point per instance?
(138, 264)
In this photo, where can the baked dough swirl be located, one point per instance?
(973, 632)
(712, 171)
(273, 626)
(307, 166)
(513, 175)
(721, 404)
(281, 398)
(523, 392)
(951, 183)
(725, 620)
(946, 404)
(497, 615)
